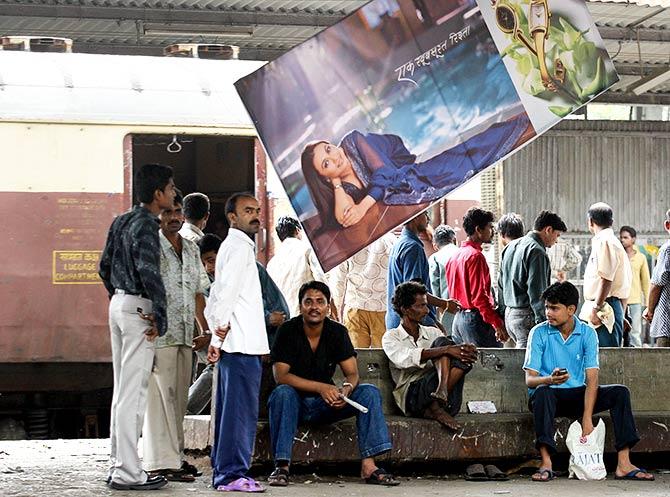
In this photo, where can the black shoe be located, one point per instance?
(190, 469)
(152, 483)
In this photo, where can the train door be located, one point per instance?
(215, 165)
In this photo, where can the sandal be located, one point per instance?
(632, 475)
(248, 485)
(380, 477)
(475, 472)
(190, 469)
(278, 478)
(494, 473)
(540, 474)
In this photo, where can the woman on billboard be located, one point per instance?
(345, 181)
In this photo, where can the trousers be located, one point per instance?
(132, 359)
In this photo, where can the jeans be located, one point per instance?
(519, 322)
(200, 393)
(288, 408)
(547, 403)
(635, 325)
(614, 339)
(470, 327)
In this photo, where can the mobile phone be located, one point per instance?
(562, 372)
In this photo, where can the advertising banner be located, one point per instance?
(384, 113)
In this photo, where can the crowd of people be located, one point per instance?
(177, 293)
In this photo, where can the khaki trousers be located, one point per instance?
(132, 357)
(163, 434)
(365, 328)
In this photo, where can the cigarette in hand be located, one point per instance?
(355, 405)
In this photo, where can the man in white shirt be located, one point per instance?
(444, 241)
(359, 284)
(428, 369)
(294, 262)
(235, 310)
(608, 276)
(196, 213)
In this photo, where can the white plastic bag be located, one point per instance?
(586, 454)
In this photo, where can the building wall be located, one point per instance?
(577, 163)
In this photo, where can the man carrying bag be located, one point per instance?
(561, 368)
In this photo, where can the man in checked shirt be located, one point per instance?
(130, 271)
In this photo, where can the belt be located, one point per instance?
(118, 291)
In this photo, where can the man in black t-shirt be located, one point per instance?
(305, 353)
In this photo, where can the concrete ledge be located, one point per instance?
(492, 436)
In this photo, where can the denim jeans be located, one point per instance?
(470, 327)
(614, 339)
(200, 393)
(635, 325)
(519, 321)
(288, 408)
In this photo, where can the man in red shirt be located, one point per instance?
(469, 282)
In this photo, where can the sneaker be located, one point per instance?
(152, 483)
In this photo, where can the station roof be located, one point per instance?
(636, 32)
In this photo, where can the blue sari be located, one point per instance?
(390, 173)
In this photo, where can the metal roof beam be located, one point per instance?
(614, 97)
(168, 15)
(246, 53)
(633, 69)
(645, 34)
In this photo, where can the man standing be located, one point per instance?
(608, 276)
(235, 306)
(639, 290)
(185, 283)
(428, 369)
(408, 262)
(658, 310)
(294, 262)
(469, 282)
(130, 271)
(525, 273)
(358, 285)
(305, 354)
(196, 212)
(510, 227)
(563, 258)
(561, 368)
(444, 241)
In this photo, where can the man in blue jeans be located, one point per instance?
(305, 353)
(561, 368)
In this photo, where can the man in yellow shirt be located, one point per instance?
(639, 290)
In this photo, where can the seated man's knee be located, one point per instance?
(283, 394)
(368, 393)
(542, 393)
(621, 391)
(441, 342)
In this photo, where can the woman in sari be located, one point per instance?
(345, 181)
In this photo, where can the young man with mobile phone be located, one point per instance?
(561, 368)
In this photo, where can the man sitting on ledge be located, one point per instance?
(562, 377)
(305, 353)
(428, 369)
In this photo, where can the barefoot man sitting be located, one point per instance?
(428, 369)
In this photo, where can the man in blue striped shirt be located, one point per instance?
(561, 368)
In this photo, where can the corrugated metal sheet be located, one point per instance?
(577, 163)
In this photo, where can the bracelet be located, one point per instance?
(347, 384)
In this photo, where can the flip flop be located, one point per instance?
(475, 472)
(380, 477)
(178, 475)
(247, 485)
(278, 478)
(542, 471)
(632, 475)
(190, 469)
(494, 473)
